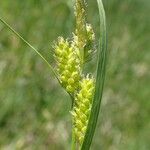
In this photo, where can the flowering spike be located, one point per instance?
(68, 65)
(80, 22)
(84, 36)
(82, 108)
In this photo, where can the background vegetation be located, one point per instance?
(34, 110)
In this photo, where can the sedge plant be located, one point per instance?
(84, 89)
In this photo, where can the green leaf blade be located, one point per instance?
(29, 45)
(101, 65)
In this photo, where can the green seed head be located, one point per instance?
(68, 65)
(82, 107)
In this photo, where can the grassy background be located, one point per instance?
(34, 110)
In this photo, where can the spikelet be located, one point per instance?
(82, 108)
(90, 32)
(90, 42)
(68, 65)
(84, 36)
(80, 23)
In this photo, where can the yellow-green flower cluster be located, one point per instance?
(68, 65)
(82, 108)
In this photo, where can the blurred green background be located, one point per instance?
(34, 109)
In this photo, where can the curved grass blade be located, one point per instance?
(99, 80)
(27, 43)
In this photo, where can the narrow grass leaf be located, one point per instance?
(27, 43)
(101, 63)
